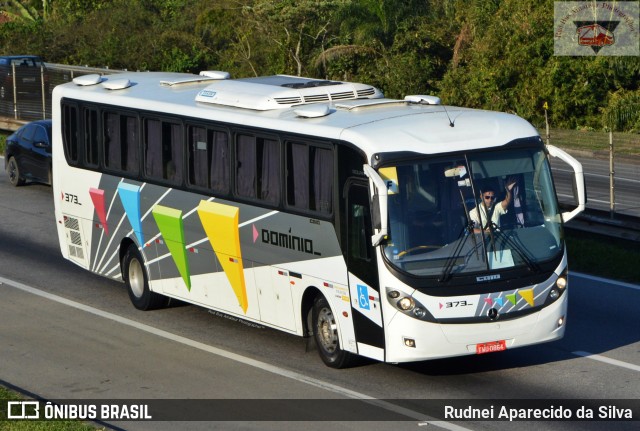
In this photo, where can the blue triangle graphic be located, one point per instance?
(130, 197)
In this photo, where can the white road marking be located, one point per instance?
(607, 360)
(604, 280)
(234, 356)
(599, 357)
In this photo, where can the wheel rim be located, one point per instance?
(327, 330)
(136, 278)
(13, 177)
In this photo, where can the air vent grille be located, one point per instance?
(366, 92)
(288, 100)
(281, 92)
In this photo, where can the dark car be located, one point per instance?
(28, 153)
(30, 81)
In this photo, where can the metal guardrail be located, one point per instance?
(18, 107)
(601, 223)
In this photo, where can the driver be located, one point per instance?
(489, 209)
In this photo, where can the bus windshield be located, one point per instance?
(473, 212)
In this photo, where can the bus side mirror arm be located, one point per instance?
(578, 181)
(381, 207)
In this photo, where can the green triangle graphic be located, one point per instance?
(169, 221)
(512, 298)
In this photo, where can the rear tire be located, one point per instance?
(13, 170)
(325, 333)
(135, 277)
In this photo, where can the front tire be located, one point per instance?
(325, 332)
(135, 277)
(13, 170)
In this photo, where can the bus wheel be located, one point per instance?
(325, 331)
(14, 172)
(137, 282)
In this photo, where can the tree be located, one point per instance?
(622, 113)
(34, 10)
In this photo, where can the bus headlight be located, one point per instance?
(558, 288)
(419, 312)
(561, 282)
(406, 303)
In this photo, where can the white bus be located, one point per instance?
(316, 207)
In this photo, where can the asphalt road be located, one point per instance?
(67, 334)
(597, 182)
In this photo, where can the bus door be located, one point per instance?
(363, 274)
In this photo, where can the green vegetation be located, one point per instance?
(604, 257)
(491, 54)
(28, 425)
(594, 141)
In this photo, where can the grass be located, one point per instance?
(604, 256)
(36, 425)
(597, 142)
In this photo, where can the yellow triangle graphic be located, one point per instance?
(220, 222)
(527, 295)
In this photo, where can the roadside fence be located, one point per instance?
(25, 94)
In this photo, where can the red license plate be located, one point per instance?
(493, 346)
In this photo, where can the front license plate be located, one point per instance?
(493, 346)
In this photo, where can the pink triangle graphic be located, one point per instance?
(255, 233)
(97, 197)
(441, 305)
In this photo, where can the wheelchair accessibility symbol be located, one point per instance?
(363, 297)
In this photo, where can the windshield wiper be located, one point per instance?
(531, 264)
(448, 266)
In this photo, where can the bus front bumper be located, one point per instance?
(409, 339)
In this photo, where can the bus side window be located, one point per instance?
(163, 150)
(112, 145)
(309, 177)
(70, 133)
(130, 141)
(219, 166)
(258, 168)
(121, 142)
(358, 238)
(209, 159)
(92, 155)
(198, 157)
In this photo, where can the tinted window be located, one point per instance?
(91, 137)
(208, 159)
(121, 142)
(70, 132)
(40, 135)
(163, 144)
(309, 177)
(258, 168)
